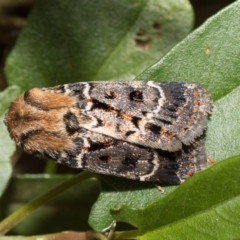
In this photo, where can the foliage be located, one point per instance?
(101, 40)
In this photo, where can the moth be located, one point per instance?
(146, 131)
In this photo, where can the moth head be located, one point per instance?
(17, 119)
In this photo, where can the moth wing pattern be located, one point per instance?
(145, 131)
(157, 115)
(106, 155)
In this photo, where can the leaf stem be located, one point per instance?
(21, 213)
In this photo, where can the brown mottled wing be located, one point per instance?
(102, 154)
(158, 115)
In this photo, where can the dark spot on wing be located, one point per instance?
(131, 161)
(71, 121)
(128, 133)
(136, 96)
(105, 158)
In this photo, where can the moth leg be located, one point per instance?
(211, 161)
(160, 189)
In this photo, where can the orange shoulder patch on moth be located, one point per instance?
(41, 111)
(46, 100)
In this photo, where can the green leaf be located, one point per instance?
(209, 56)
(95, 40)
(69, 210)
(7, 146)
(221, 222)
(223, 135)
(206, 207)
(7, 96)
(117, 192)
